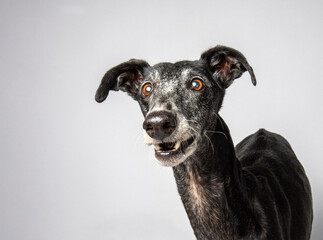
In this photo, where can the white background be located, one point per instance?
(71, 168)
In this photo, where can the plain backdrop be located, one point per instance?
(71, 168)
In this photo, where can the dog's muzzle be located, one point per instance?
(171, 145)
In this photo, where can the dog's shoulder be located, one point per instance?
(269, 156)
(268, 150)
(264, 143)
(270, 165)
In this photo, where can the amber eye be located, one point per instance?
(147, 89)
(197, 84)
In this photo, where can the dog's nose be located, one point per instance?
(159, 125)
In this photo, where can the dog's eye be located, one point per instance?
(197, 84)
(147, 89)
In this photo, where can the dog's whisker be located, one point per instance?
(217, 132)
(209, 140)
(193, 121)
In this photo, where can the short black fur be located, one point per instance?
(258, 190)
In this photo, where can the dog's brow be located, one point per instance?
(185, 73)
(153, 75)
(156, 75)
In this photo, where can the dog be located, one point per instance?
(256, 190)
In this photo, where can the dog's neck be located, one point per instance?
(212, 188)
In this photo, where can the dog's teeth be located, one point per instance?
(157, 147)
(177, 145)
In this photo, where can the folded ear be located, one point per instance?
(226, 64)
(126, 77)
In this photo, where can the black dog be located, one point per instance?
(257, 190)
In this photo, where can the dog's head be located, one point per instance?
(180, 101)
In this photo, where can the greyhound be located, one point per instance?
(257, 190)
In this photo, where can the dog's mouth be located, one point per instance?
(169, 152)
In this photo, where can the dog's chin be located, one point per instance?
(170, 154)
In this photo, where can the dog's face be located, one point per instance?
(179, 101)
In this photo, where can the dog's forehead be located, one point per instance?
(170, 71)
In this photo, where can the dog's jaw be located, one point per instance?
(180, 148)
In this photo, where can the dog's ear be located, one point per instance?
(126, 77)
(226, 64)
